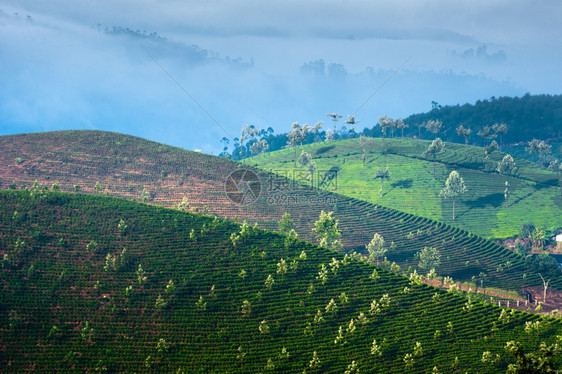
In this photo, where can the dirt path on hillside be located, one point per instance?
(553, 297)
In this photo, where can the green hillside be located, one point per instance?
(534, 193)
(141, 170)
(93, 284)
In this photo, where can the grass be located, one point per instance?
(534, 194)
(67, 307)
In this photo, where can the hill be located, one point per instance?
(98, 284)
(133, 168)
(528, 117)
(534, 193)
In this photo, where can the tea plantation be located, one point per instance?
(534, 193)
(118, 165)
(99, 284)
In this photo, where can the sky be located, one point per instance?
(188, 73)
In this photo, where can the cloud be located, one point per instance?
(88, 64)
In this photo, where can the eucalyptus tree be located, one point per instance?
(490, 148)
(385, 122)
(247, 135)
(376, 248)
(434, 126)
(296, 137)
(382, 174)
(487, 133)
(351, 121)
(556, 167)
(500, 129)
(420, 126)
(335, 118)
(464, 132)
(401, 125)
(454, 187)
(364, 143)
(434, 148)
(538, 146)
(506, 193)
(259, 146)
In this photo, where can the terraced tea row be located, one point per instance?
(93, 284)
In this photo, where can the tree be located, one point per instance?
(141, 275)
(506, 193)
(540, 361)
(538, 146)
(400, 125)
(486, 133)
(382, 174)
(392, 127)
(351, 121)
(556, 167)
(543, 150)
(98, 187)
(507, 165)
(315, 362)
(225, 142)
(376, 248)
(259, 147)
(420, 126)
(434, 126)
(434, 148)
(464, 132)
(316, 130)
(385, 122)
(454, 186)
(335, 118)
(500, 129)
(286, 224)
(364, 142)
(489, 149)
(296, 137)
(326, 229)
(263, 327)
(545, 285)
(269, 282)
(247, 135)
(542, 264)
(430, 258)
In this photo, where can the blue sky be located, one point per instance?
(71, 64)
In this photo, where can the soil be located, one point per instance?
(553, 297)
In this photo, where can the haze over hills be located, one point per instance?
(91, 283)
(134, 168)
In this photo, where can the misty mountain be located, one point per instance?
(166, 48)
